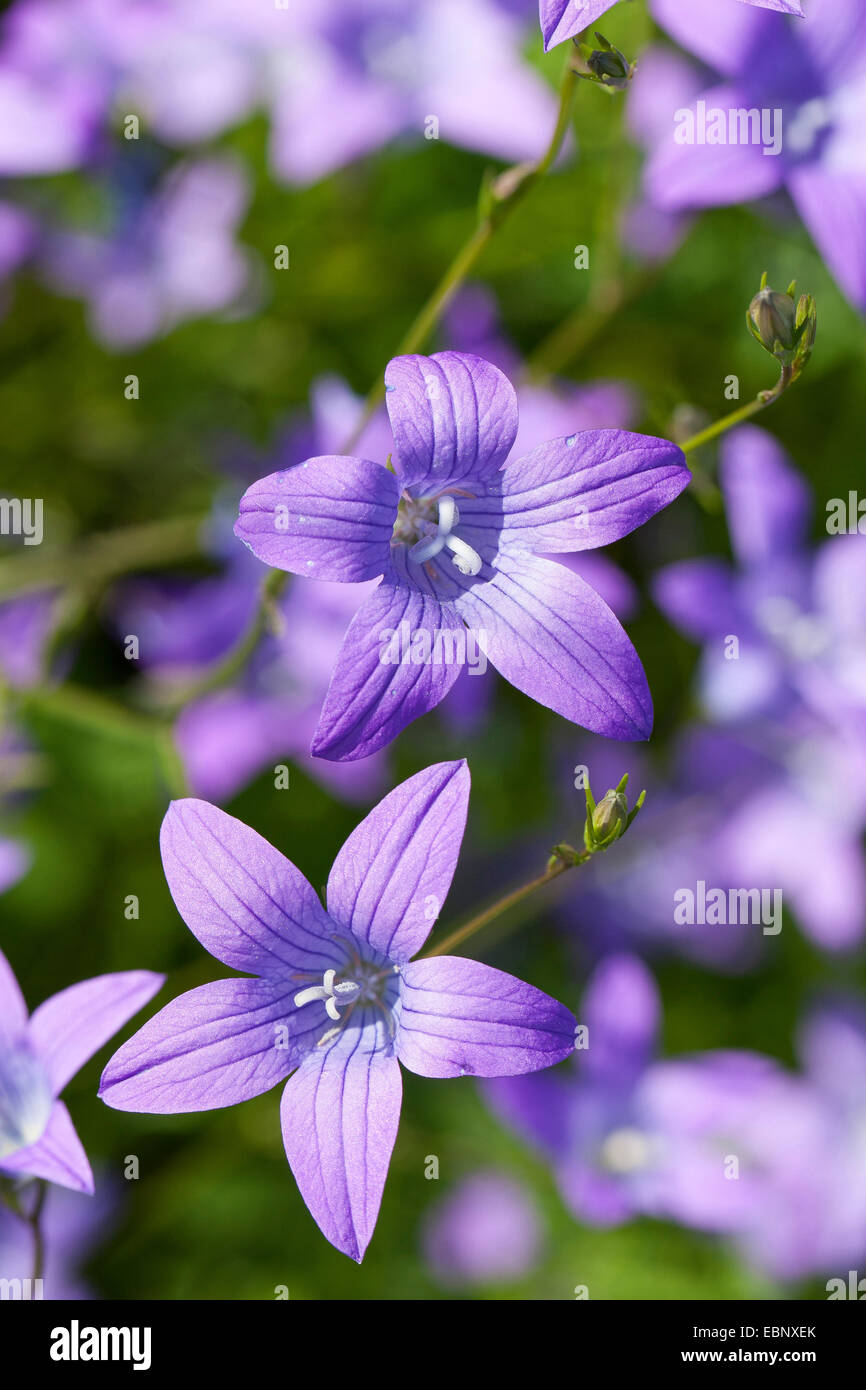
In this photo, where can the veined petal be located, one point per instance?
(459, 1017)
(57, 1156)
(550, 634)
(216, 1045)
(328, 518)
(564, 19)
(589, 490)
(388, 670)
(13, 1010)
(340, 1113)
(454, 417)
(247, 904)
(390, 879)
(69, 1027)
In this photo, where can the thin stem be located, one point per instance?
(235, 660)
(736, 417)
(34, 1221)
(503, 196)
(555, 868)
(94, 562)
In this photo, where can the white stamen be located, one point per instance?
(464, 558)
(331, 995)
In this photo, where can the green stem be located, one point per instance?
(234, 662)
(505, 192)
(34, 1221)
(555, 868)
(736, 417)
(94, 562)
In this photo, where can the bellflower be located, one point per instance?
(485, 1230)
(171, 256)
(336, 998)
(628, 1135)
(459, 533)
(797, 615)
(805, 85)
(564, 19)
(40, 1054)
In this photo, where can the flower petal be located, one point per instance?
(693, 174)
(550, 634)
(621, 1009)
(390, 879)
(377, 688)
(767, 501)
(700, 597)
(328, 518)
(564, 19)
(460, 1017)
(13, 1010)
(832, 203)
(589, 490)
(454, 417)
(247, 904)
(70, 1026)
(57, 1156)
(216, 1045)
(340, 1113)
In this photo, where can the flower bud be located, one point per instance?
(610, 818)
(774, 316)
(606, 65)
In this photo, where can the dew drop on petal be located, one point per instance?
(571, 441)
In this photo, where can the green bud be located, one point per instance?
(610, 818)
(610, 813)
(607, 66)
(774, 316)
(784, 325)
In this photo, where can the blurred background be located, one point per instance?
(217, 221)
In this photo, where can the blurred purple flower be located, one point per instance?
(172, 259)
(25, 626)
(39, 1055)
(799, 619)
(339, 79)
(724, 1142)
(70, 1227)
(814, 74)
(336, 994)
(486, 1230)
(472, 567)
(14, 862)
(564, 19)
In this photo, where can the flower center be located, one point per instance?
(25, 1100)
(333, 993)
(416, 523)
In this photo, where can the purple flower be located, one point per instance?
(25, 625)
(723, 1141)
(171, 258)
(798, 619)
(458, 533)
(335, 998)
(71, 1226)
(14, 862)
(486, 1230)
(40, 1054)
(564, 19)
(804, 85)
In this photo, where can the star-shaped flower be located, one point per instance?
(336, 999)
(458, 534)
(40, 1054)
(565, 19)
